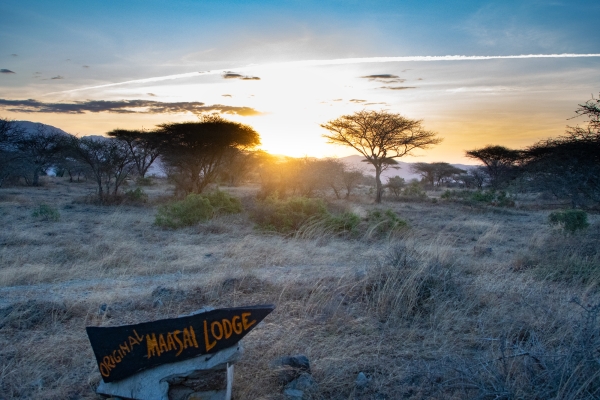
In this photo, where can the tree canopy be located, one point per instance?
(193, 151)
(380, 136)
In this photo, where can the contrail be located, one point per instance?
(337, 61)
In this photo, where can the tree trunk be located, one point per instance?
(379, 185)
(36, 177)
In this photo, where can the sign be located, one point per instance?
(122, 351)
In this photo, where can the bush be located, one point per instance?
(413, 191)
(145, 181)
(569, 220)
(287, 216)
(136, 195)
(46, 213)
(491, 197)
(193, 209)
(384, 223)
(224, 203)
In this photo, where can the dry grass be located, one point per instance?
(451, 308)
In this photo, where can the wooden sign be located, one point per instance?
(124, 350)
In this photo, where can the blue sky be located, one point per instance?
(55, 47)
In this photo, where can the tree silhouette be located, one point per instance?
(380, 136)
(194, 151)
(500, 163)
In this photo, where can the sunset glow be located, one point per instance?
(518, 81)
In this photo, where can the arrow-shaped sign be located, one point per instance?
(122, 351)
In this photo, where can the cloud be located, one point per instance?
(233, 75)
(6, 71)
(380, 76)
(58, 77)
(121, 107)
(398, 87)
(339, 61)
(384, 78)
(357, 101)
(151, 94)
(14, 55)
(85, 66)
(226, 95)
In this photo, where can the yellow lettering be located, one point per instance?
(212, 329)
(116, 357)
(139, 338)
(193, 334)
(245, 321)
(227, 328)
(132, 341)
(175, 333)
(123, 348)
(237, 326)
(170, 341)
(153, 348)
(187, 340)
(206, 341)
(106, 360)
(104, 369)
(162, 344)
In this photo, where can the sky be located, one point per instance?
(286, 67)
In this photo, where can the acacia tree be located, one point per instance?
(380, 136)
(108, 161)
(500, 163)
(143, 146)
(193, 152)
(437, 172)
(569, 166)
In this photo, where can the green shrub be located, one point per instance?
(193, 209)
(288, 215)
(570, 220)
(224, 203)
(414, 191)
(46, 213)
(491, 197)
(136, 195)
(384, 222)
(196, 208)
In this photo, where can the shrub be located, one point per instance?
(46, 213)
(287, 216)
(414, 191)
(569, 220)
(136, 195)
(189, 211)
(384, 223)
(224, 203)
(491, 197)
(145, 181)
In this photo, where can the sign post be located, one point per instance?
(174, 346)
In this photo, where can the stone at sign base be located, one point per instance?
(208, 377)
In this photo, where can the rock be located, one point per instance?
(153, 384)
(302, 388)
(290, 367)
(361, 381)
(293, 394)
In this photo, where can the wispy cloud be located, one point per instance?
(233, 75)
(357, 101)
(58, 77)
(338, 61)
(397, 87)
(6, 71)
(121, 107)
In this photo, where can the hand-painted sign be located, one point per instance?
(121, 351)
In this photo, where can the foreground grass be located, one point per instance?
(451, 308)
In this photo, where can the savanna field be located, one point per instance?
(433, 297)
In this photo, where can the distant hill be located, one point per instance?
(33, 127)
(404, 171)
